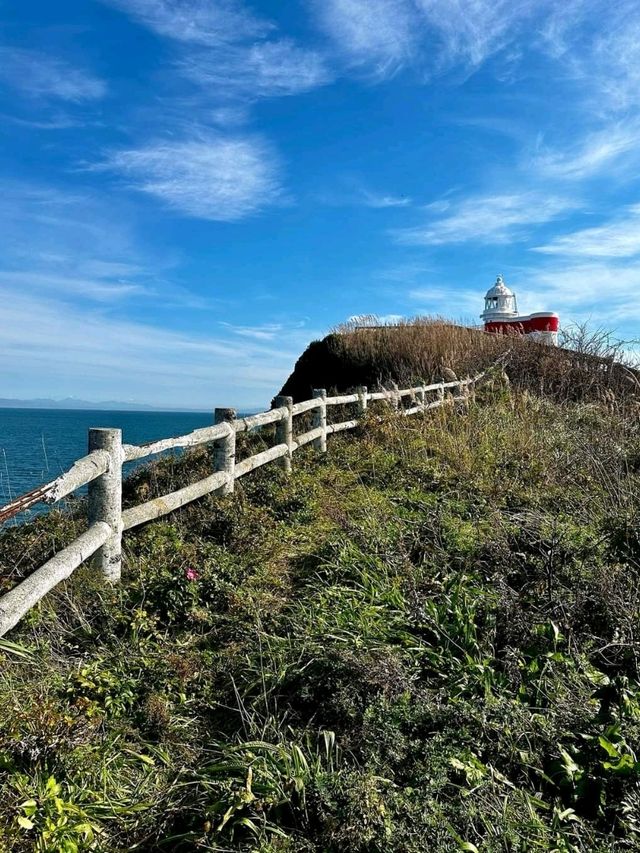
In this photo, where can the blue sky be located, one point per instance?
(194, 189)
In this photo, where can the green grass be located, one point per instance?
(425, 640)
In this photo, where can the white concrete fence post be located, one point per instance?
(224, 449)
(395, 397)
(470, 391)
(440, 391)
(105, 501)
(284, 430)
(320, 419)
(362, 400)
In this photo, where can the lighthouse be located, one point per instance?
(499, 303)
(501, 316)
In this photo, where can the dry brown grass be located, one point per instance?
(426, 348)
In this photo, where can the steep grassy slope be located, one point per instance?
(426, 640)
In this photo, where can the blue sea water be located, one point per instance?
(36, 445)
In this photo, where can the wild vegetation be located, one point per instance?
(425, 640)
(589, 365)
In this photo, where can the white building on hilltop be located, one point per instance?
(501, 316)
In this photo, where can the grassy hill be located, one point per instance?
(589, 367)
(425, 640)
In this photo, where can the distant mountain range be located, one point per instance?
(74, 403)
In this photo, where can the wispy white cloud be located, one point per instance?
(224, 58)
(228, 51)
(490, 218)
(617, 239)
(97, 288)
(196, 21)
(591, 43)
(378, 36)
(616, 56)
(57, 121)
(406, 272)
(350, 192)
(604, 292)
(469, 31)
(262, 332)
(41, 76)
(607, 61)
(81, 250)
(209, 177)
(76, 285)
(47, 344)
(262, 69)
(382, 36)
(381, 200)
(600, 150)
(55, 236)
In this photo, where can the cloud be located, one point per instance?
(469, 31)
(616, 56)
(65, 234)
(404, 272)
(263, 332)
(617, 239)
(603, 292)
(597, 151)
(42, 76)
(203, 22)
(72, 274)
(95, 288)
(58, 121)
(350, 192)
(494, 219)
(80, 249)
(591, 44)
(61, 349)
(232, 57)
(210, 177)
(382, 36)
(380, 200)
(599, 45)
(378, 36)
(264, 69)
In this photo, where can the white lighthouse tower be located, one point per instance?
(499, 303)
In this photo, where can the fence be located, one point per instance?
(101, 470)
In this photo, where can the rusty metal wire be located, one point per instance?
(26, 501)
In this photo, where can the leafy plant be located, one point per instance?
(53, 819)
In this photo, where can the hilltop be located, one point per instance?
(590, 367)
(426, 639)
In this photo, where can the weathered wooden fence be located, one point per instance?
(101, 470)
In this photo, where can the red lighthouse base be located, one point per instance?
(542, 326)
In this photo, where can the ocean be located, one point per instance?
(36, 445)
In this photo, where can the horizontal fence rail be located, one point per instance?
(101, 471)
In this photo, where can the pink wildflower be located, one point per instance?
(191, 574)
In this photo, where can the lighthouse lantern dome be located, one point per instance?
(499, 302)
